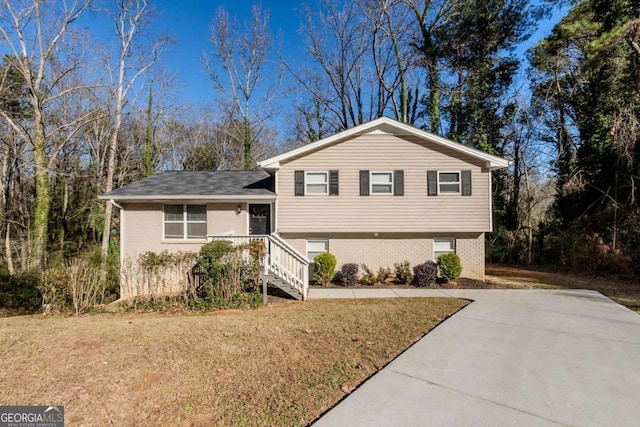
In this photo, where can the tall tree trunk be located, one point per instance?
(8, 166)
(404, 94)
(248, 160)
(111, 168)
(434, 98)
(129, 17)
(24, 254)
(149, 150)
(434, 108)
(43, 197)
(8, 255)
(63, 214)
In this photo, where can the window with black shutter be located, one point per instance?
(364, 183)
(398, 183)
(432, 183)
(334, 184)
(466, 183)
(299, 183)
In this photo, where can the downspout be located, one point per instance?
(490, 200)
(113, 202)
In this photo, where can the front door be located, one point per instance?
(259, 219)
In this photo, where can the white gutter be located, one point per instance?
(188, 197)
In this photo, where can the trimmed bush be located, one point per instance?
(215, 250)
(425, 274)
(347, 275)
(383, 275)
(324, 267)
(403, 273)
(449, 264)
(369, 278)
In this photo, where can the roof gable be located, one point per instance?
(384, 126)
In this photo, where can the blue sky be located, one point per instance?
(189, 22)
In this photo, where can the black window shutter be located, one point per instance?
(364, 183)
(432, 183)
(334, 186)
(466, 183)
(299, 183)
(398, 183)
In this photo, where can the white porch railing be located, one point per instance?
(282, 259)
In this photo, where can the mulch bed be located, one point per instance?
(461, 283)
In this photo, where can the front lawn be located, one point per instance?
(279, 365)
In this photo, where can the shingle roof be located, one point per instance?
(194, 184)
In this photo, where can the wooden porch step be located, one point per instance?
(280, 283)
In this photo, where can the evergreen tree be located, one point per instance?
(587, 77)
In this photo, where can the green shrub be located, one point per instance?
(228, 272)
(368, 277)
(425, 274)
(20, 292)
(449, 264)
(152, 259)
(215, 250)
(212, 267)
(383, 275)
(56, 294)
(246, 300)
(347, 275)
(403, 273)
(324, 267)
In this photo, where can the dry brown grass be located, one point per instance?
(626, 293)
(278, 365)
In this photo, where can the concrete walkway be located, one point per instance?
(512, 357)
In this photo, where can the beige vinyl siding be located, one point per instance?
(413, 212)
(142, 228)
(386, 250)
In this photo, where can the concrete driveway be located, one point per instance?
(512, 357)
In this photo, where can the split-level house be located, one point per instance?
(377, 194)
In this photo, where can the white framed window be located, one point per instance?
(448, 182)
(185, 221)
(316, 183)
(381, 182)
(443, 246)
(316, 246)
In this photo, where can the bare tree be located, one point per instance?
(529, 188)
(363, 66)
(130, 17)
(393, 57)
(240, 60)
(337, 43)
(35, 33)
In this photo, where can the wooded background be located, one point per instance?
(78, 119)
